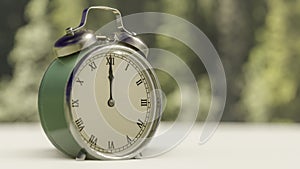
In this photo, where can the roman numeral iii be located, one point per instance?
(144, 102)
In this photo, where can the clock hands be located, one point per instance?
(110, 62)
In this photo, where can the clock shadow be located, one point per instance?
(46, 154)
(53, 154)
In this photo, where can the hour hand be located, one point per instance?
(110, 74)
(110, 62)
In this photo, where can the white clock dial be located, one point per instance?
(113, 102)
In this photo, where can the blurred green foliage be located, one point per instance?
(258, 42)
(272, 72)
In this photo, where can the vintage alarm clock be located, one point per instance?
(100, 98)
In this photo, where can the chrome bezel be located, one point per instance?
(156, 108)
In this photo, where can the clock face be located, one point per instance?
(113, 102)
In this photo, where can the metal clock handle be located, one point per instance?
(117, 13)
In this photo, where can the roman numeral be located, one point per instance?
(79, 124)
(93, 66)
(93, 141)
(80, 81)
(111, 145)
(126, 68)
(140, 123)
(75, 103)
(110, 60)
(139, 82)
(144, 102)
(128, 139)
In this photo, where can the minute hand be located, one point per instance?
(110, 101)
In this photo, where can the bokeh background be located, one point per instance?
(258, 42)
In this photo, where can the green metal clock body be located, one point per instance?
(51, 105)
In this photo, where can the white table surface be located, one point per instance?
(239, 146)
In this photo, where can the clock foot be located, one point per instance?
(139, 156)
(81, 155)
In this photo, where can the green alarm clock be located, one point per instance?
(100, 98)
